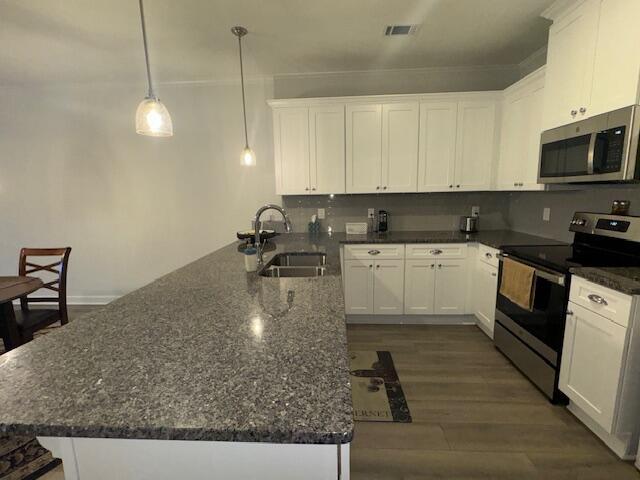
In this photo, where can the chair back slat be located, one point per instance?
(58, 284)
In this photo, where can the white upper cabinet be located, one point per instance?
(327, 143)
(438, 128)
(592, 61)
(309, 149)
(475, 145)
(400, 147)
(364, 148)
(291, 145)
(520, 134)
(616, 71)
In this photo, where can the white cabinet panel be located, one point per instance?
(485, 289)
(570, 57)
(388, 287)
(419, 286)
(291, 145)
(400, 147)
(436, 250)
(358, 279)
(616, 71)
(374, 251)
(450, 287)
(364, 148)
(438, 127)
(592, 363)
(609, 303)
(327, 144)
(475, 145)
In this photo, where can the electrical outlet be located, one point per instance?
(546, 214)
(371, 212)
(475, 211)
(321, 213)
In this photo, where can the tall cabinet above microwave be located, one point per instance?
(603, 148)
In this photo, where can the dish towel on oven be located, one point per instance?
(518, 283)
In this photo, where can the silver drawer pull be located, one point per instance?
(435, 252)
(597, 299)
(374, 252)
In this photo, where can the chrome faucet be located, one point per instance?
(261, 210)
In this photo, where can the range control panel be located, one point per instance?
(618, 226)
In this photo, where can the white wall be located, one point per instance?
(74, 172)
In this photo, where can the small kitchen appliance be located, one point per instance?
(468, 224)
(383, 221)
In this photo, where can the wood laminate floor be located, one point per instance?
(474, 416)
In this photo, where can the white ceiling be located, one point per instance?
(46, 41)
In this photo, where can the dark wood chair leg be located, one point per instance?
(8, 327)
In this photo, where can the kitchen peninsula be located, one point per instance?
(209, 370)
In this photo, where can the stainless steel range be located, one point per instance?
(531, 335)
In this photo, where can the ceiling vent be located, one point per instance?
(400, 30)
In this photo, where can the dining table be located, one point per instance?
(12, 288)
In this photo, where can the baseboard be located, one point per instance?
(412, 319)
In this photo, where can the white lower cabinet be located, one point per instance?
(374, 286)
(419, 287)
(591, 368)
(450, 287)
(358, 286)
(485, 290)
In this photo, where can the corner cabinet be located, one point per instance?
(309, 150)
(520, 134)
(382, 147)
(592, 63)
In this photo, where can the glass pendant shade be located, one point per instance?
(247, 157)
(153, 119)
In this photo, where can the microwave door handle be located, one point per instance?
(592, 150)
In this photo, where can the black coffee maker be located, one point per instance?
(383, 221)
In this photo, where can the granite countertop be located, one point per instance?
(492, 238)
(622, 279)
(207, 352)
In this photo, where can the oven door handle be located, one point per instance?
(552, 277)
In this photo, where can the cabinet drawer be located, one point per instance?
(488, 255)
(436, 250)
(374, 251)
(609, 303)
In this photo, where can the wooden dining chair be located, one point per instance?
(32, 320)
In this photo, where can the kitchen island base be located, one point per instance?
(109, 458)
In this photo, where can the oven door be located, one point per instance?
(542, 329)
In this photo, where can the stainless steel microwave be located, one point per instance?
(603, 148)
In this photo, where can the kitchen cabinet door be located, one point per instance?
(592, 363)
(437, 146)
(327, 155)
(616, 71)
(475, 147)
(400, 147)
(419, 286)
(570, 57)
(364, 148)
(485, 290)
(358, 286)
(388, 290)
(291, 146)
(450, 287)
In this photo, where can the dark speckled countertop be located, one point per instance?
(207, 352)
(622, 279)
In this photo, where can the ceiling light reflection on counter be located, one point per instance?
(247, 157)
(152, 117)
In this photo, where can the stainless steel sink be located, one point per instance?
(296, 265)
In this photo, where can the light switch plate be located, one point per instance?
(475, 211)
(546, 214)
(321, 213)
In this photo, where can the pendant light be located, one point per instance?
(152, 117)
(247, 157)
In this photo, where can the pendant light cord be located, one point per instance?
(146, 50)
(244, 107)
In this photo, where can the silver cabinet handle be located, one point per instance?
(488, 255)
(433, 265)
(439, 265)
(457, 186)
(574, 113)
(374, 252)
(597, 299)
(377, 266)
(378, 188)
(306, 189)
(450, 186)
(370, 266)
(494, 274)
(583, 110)
(436, 251)
(384, 188)
(569, 313)
(313, 188)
